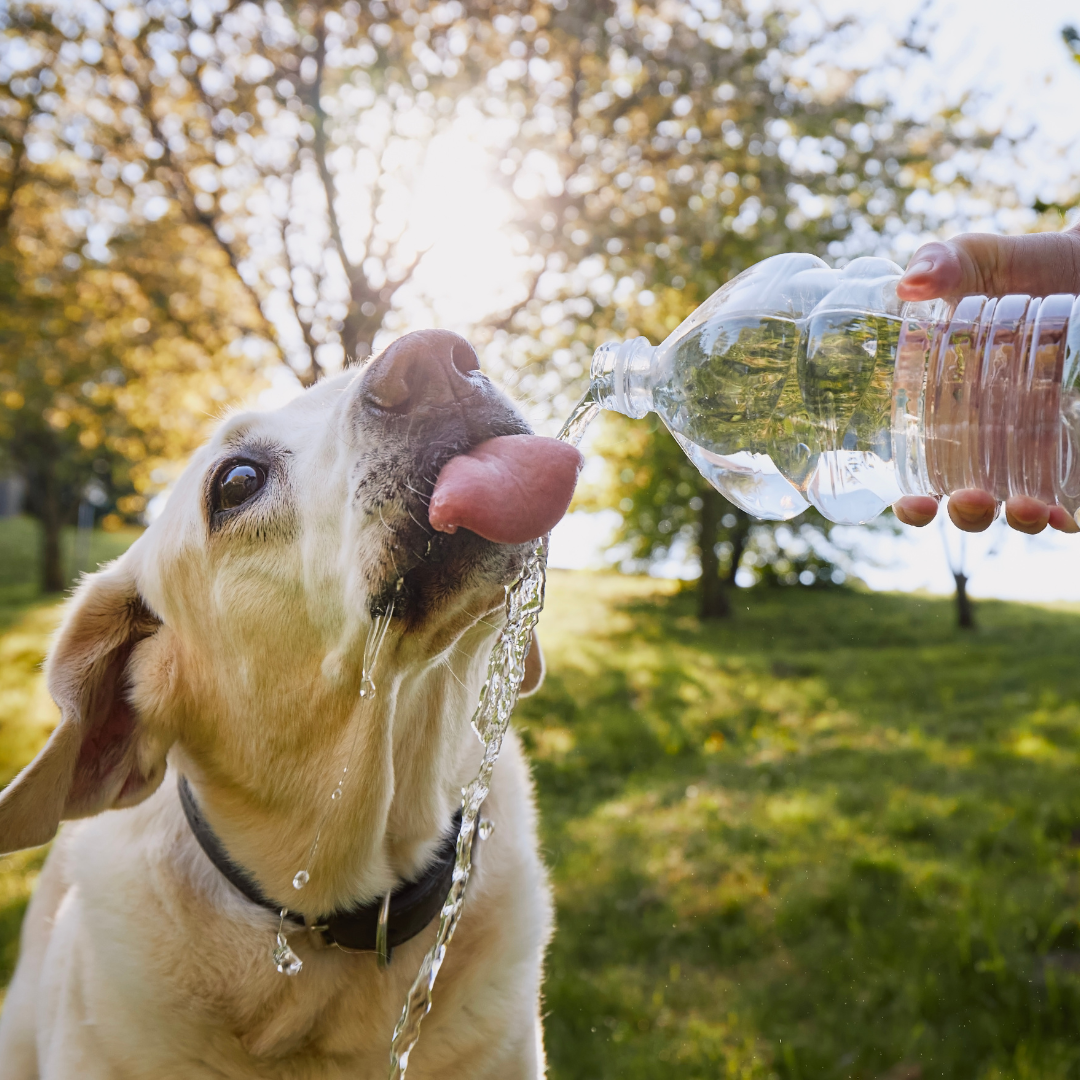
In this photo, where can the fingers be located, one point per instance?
(972, 510)
(1039, 264)
(917, 510)
(1060, 519)
(1027, 515)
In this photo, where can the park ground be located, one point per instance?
(833, 837)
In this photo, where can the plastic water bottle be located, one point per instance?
(799, 385)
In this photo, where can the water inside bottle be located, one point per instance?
(992, 390)
(848, 408)
(787, 413)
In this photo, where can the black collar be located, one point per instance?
(412, 905)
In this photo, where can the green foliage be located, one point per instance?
(1071, 37)
(103, 378)
(121, 329)
(696, 140)
(833, 838)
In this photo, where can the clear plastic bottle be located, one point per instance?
(797, 384)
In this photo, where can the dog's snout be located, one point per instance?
(425, 369)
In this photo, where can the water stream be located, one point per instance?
(506, 669)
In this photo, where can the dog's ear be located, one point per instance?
(99, 757)
(534, 668)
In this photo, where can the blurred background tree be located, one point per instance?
(113, 358)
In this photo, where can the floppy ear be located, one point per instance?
(534, 668)
(99, 757)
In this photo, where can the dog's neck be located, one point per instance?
(409, 750)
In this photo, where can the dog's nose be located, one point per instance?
(425, 369)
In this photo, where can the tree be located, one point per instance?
(288, 133)
(111, 359)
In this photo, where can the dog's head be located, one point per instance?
(235, 627)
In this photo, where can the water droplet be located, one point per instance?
(487, 827)
(285, 960)
(301, 879)
(336, 793)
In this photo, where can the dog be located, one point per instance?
(220, 661)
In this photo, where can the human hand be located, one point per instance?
(980, 263)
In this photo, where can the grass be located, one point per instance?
(834, 837)
(27, 714)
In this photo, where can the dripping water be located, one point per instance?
(506, 669)
(583, 415)
(285, 960)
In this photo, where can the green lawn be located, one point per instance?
(835, 837)
(832, 838)
(27, 714)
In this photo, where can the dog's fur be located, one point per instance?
(229, 645)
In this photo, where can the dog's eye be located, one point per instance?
(238, 484)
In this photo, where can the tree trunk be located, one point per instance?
(965, 613)
(52, 564)
(359, 330)
(712, 595)
(739, 535)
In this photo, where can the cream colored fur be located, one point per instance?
(240, 657)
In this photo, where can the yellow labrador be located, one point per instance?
(223, 655)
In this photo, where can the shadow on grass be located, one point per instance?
(831, 838)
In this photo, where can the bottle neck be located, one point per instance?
(620, 376)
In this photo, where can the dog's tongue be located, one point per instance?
(508, 490)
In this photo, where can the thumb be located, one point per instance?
(984, 264)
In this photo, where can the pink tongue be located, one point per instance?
(508, 490)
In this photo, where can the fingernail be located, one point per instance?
(972, 516)
(1028, 511)
(923, 266)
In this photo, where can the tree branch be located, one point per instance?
(507, 319)
(320, 149)
(181, 185)
(15, 180)
(314, 372)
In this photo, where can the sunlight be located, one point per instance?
(457, 215)
(462, 216)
